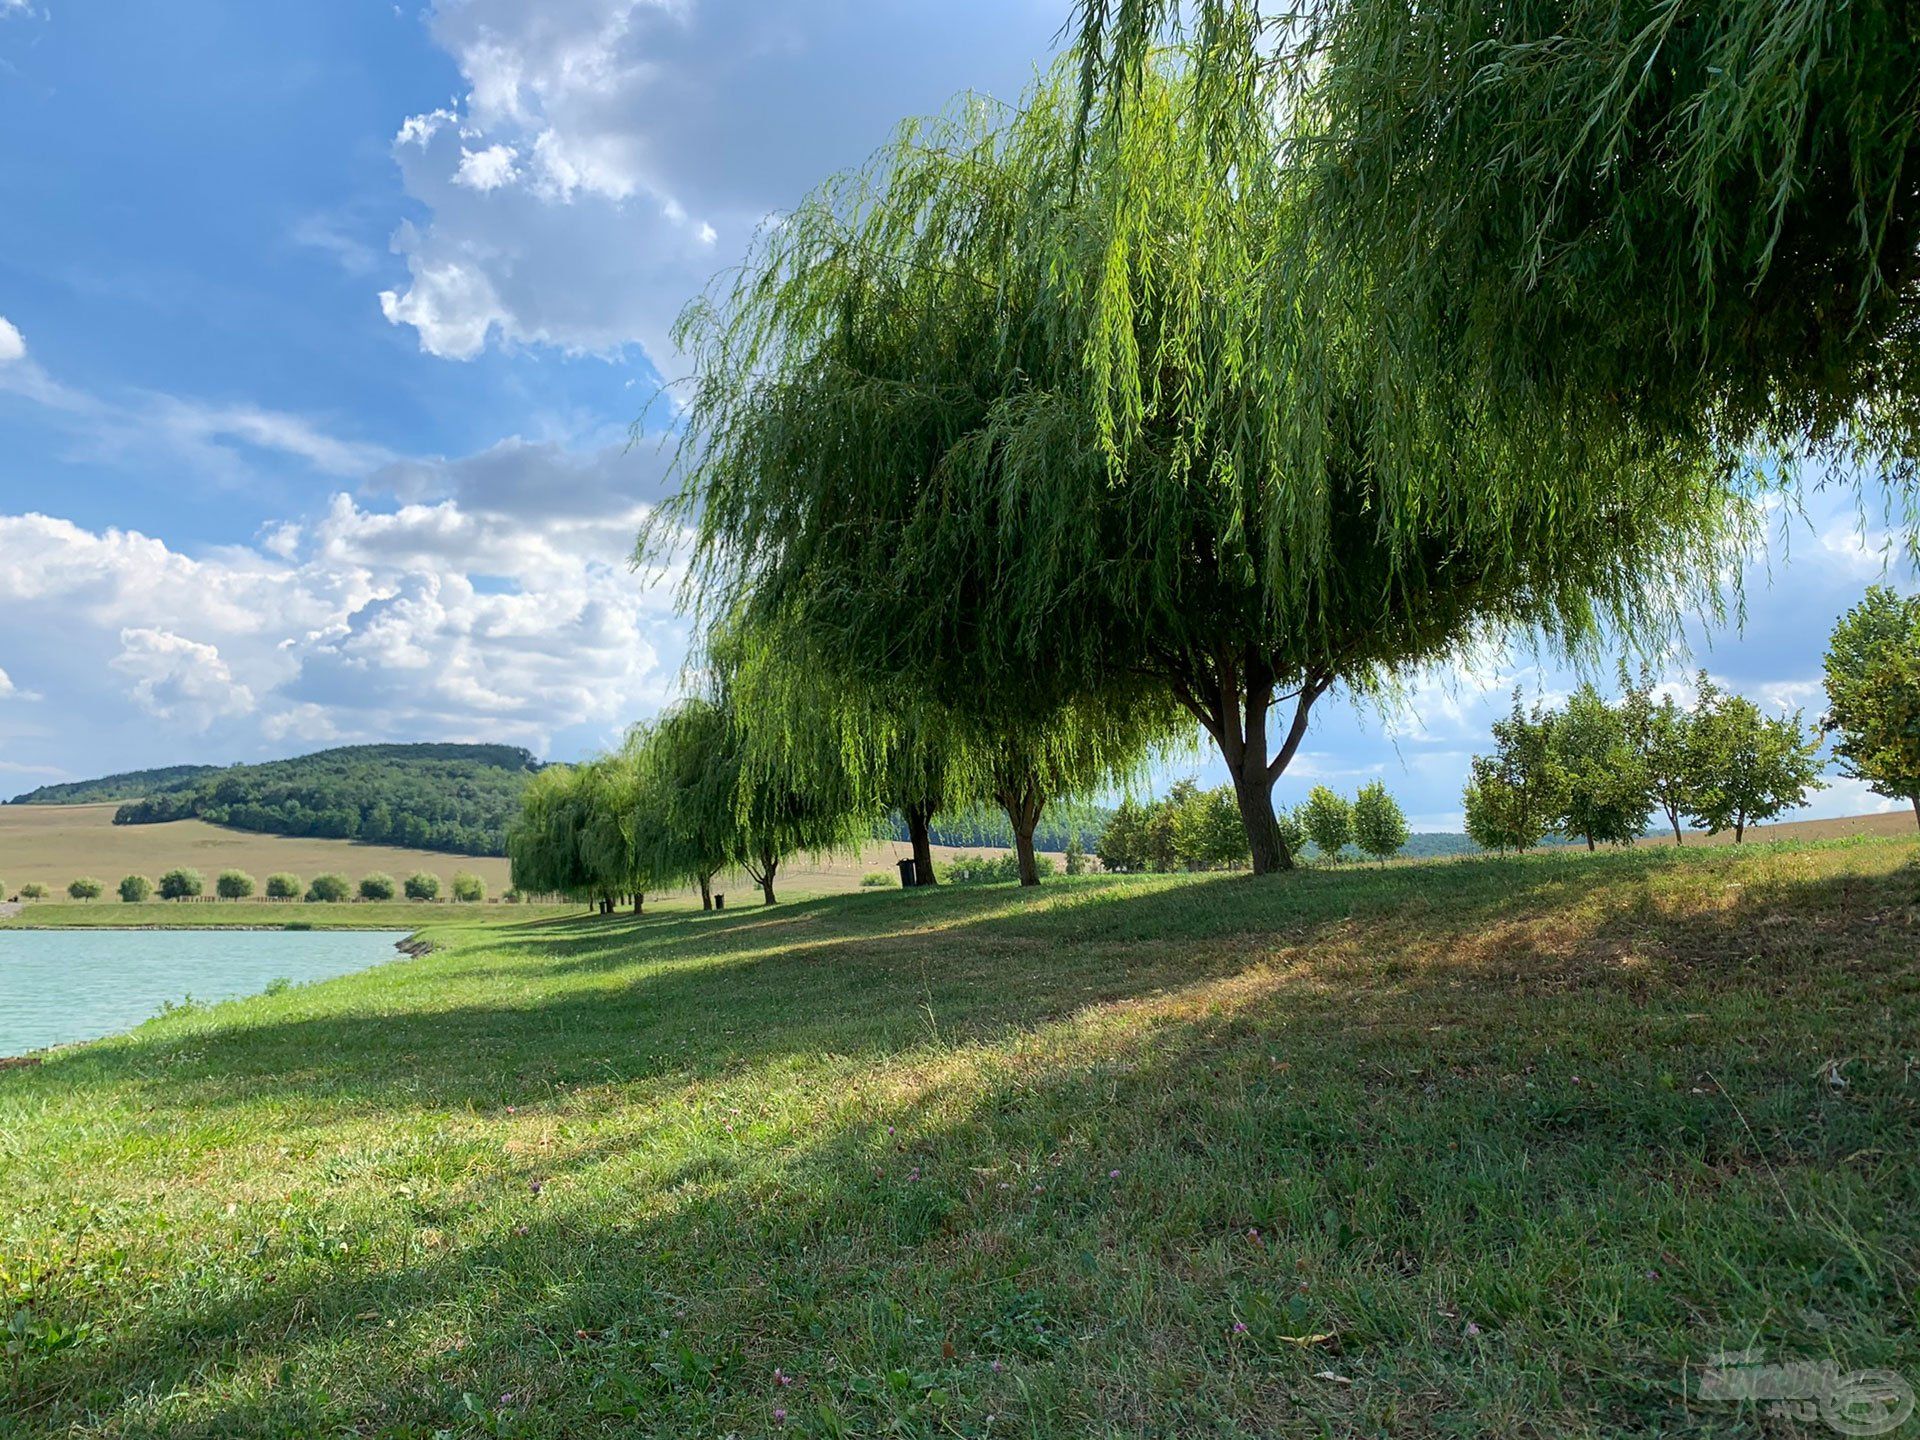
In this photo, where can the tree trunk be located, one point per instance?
(1739, 832)
(919, 819)
(638, 901)
(1916, 809)
(1231, 696)
(1589, 845)
(768, 864)
(706, 892)
(1268, 850)
(1023, 814)
(1673, 819)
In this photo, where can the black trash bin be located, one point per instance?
(909, 874)
(719, 902)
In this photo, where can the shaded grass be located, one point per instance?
(1467, 1148)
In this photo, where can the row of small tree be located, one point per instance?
(183, 883)
(1194, 829)
(1599, 770)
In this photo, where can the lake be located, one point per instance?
(63, 985)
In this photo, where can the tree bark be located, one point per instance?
(1916, 808)
(706, 892)
(1739, 832)
(639, 900)
(1023, 814)
(1590, 846)
(919, 820)
(768, 865)
(1231, 696)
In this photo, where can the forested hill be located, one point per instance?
(129, 785)
(455, 798)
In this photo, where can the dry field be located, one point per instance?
(53, 844)
(1894, 823)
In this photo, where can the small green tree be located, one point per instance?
(33, 890)
(1598, 772)
(1208, 832)
(422, 886)
(233, 885)
(1511, 801)
(1379, 827)
(1662, 733)
(329, 889)
(1123, 844)
(181, 884)
(283, 886)
(468, 888)
(1753, 765)
(1329, 821)
(1873, 694)
(1075, 857)
(85, 888)
(377, 886)
(135, 888)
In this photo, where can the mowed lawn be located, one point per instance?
(1466, 1148)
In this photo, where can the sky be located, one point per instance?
(332, 335)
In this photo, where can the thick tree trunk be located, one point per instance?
(706, 892)
(1023, 814)
(768, 865)
(1231, 696)
(638, 902)
(919, 821)
(1916, 809)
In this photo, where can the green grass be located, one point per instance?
(1470, 1148)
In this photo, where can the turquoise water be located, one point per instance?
(58, 986)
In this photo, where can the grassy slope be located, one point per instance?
(1501, 1147)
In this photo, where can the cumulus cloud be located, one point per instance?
(480, 598)
(12, 345)
(607, 154)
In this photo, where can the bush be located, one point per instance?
(1379, 828)
(877, 880)
(992, 869)
(376, 887)
(233, 885)
(512, 897)
(420, 886)
(468, 888)
(33, 890)
(85, 888)
(329, 889)
(283, 886)
(181, 884)
(136, 888)
(1329, 821)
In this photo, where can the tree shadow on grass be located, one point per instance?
(1600, 1136)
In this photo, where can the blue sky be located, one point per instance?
(322, 326)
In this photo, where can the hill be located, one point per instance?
(1468, 1147)
(128, 785)
(455, 798)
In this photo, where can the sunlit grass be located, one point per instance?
(1472, 1148)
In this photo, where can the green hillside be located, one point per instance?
(128, 785)
(454, 798)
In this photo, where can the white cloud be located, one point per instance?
(13, 345)
(7, 688)
(489, 598)
(608, 153)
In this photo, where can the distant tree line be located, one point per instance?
(185, 883)
(1598, 771)
(1078, 826)
(454, 798)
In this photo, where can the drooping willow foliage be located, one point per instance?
(1037, 426)
(1696, 217)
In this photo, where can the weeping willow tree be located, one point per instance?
(1033, 427)
(1695, 218)
(853, 747)
(589, 831)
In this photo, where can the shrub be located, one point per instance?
(1379, 827)
(283, 886)
(33, 890)
(1329, 821)
(512, 897)
(181, 884)
(992, 869)
(421, 886)
(85, 888)
(376, 886)
(136, 888)
(876, 880)
(469, 888)
(329, 889)
(233, 885)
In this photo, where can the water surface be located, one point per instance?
(62, 985)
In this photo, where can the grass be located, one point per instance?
(1473, 1148)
